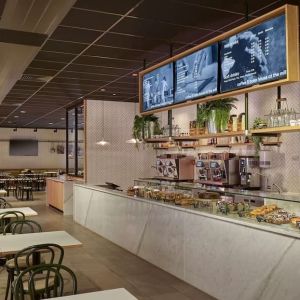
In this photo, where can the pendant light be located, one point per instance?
(134, 140)
(103, 142)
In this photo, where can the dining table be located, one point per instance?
(11, 244)
(3, 193)
(116, 294)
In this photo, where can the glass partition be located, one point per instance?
(75, 141)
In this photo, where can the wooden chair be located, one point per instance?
(25, 187)
(4, 203)
(44, 281)
(12, 186)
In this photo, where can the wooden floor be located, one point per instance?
(101, 265)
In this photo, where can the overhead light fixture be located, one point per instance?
(9, 122)
(16, 116)
(50, 123)
(114, 94)
(35, 130)
(134, 74)
(23, 111)
(15, 129)
(62, 119)
(103, 142)
(103, 90)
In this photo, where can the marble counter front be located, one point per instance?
(227, 259)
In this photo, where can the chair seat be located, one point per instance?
(39, 283)
(10, 264)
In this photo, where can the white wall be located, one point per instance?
(44, 160)
(119, 162)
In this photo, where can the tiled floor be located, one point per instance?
(100, 264)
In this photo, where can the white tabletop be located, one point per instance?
(117, 294)
(27, 211)
(10, 244)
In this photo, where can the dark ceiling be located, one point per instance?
(100, 45)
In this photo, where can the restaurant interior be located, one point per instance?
(149, 150)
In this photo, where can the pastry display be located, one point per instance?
(295, 220)
(263, 210)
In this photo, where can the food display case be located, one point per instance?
(268, 210)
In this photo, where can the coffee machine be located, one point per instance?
(175, 167)
(220, 169)
(249, 172)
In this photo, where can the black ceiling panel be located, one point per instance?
(40, 71)
(150, 29)
(64, 47)
(108, 62)
(112, 6)
(89, 19)
(56, 57)
(42, 64)
(79, 35)
(96, 69)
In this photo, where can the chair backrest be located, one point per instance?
(48, 280)
(22, 226)
(5, 216)
(4, 203)
(52, 254)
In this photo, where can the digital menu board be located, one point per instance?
(254, 56)
(197, 74)
(158, 87)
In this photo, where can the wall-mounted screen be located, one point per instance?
(23, 148)
(254, 56)
(158, 87)
(197, 74)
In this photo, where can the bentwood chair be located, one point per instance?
(18, 227)
(4, 203)
(45, 281)
(5, 218)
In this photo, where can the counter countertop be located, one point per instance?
(252, 223)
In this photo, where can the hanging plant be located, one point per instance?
(257, 139)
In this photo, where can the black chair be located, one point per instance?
(11, 186)
(25, 187)
(18, 227)
(44, 281)
(6, 217)
(4, 203)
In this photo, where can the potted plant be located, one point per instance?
(219, 114)
(145, 127)
(215, 114)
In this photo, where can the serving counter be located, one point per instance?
(59, 194)
(228, 258)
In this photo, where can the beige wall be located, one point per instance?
(119, 162)
(45, 158)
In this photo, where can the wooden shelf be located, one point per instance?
(275, 130)
(208, 136)
(157, 140)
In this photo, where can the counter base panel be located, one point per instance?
(225, 260)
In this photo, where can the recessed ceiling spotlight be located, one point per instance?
(103, 90)
(23, 111)
(50, 123)
(114, 94)
(16, 116)
(134, 74)
(9, 122)
(62, 119)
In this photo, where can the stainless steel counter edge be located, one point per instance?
(263, 227)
